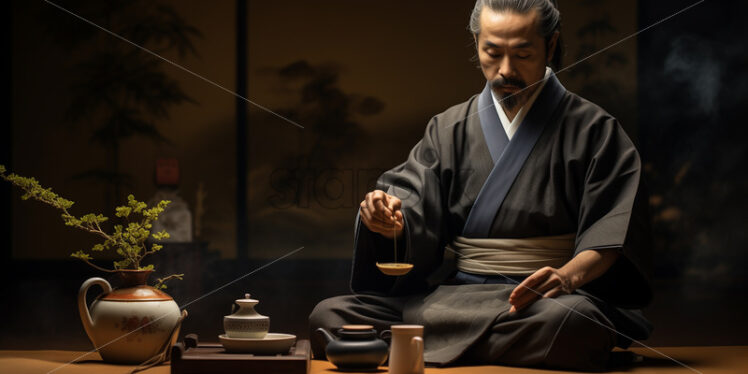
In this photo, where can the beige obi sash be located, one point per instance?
(521, 256)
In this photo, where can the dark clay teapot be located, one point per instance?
(357, 349)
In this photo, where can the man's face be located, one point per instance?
(512, 54)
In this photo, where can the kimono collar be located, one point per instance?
(489, 114)
(509, 157)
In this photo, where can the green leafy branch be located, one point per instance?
(128, 240)
(161, 281)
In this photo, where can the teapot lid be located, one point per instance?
(246, 300)
(358, 327)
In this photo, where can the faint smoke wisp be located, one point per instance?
(693, 63)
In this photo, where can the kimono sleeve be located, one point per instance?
(614, 215)
(416, 182)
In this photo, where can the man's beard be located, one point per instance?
(509, 100)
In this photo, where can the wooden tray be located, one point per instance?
(189, 357)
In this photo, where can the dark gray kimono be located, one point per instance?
(569, 168)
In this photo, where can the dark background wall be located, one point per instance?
(363, 78)
(691, 95)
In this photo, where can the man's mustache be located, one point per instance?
(508, 82)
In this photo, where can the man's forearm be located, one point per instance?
(588, 265)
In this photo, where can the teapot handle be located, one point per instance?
(385, 335)
(83, 307)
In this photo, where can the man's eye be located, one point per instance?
(523, 56)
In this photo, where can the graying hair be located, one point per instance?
(550, 19)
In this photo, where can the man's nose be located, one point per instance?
(506, 68)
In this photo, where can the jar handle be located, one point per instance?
(83, 307)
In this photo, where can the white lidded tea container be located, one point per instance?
(245, 322)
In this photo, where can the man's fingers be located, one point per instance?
(382, 210)
(532, 288)
(519, 290)
(399, 215)
(379, 194)
(524, 288)
(394, 203)
(365, 214)
(548, 285)
(519, 305)
(524, 299)
(370, 202)
(381, 213)
(525, 302)
(533, 294)
(554, 293)
(530, 283)
(375, 201)
(399, 218)
(548, 289)
(374, 196)
(381, 218)
(377, 224)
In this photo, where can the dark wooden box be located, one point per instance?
(189, 357)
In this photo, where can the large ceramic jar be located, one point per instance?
(130, 324)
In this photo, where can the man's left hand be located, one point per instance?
(546, 282)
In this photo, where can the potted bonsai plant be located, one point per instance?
(131, 324)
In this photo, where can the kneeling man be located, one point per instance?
(535, 192)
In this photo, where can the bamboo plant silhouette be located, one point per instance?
(117, 91)
(330, 116)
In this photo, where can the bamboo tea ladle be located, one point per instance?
(394, 268)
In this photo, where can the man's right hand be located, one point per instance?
(381, 213)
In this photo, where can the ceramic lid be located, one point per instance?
(357, 327)
(139, 293)
(246, 300)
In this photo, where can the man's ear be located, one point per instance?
(552, 46)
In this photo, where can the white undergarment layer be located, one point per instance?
(518, 256)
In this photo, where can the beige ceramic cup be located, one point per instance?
(406, 349)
